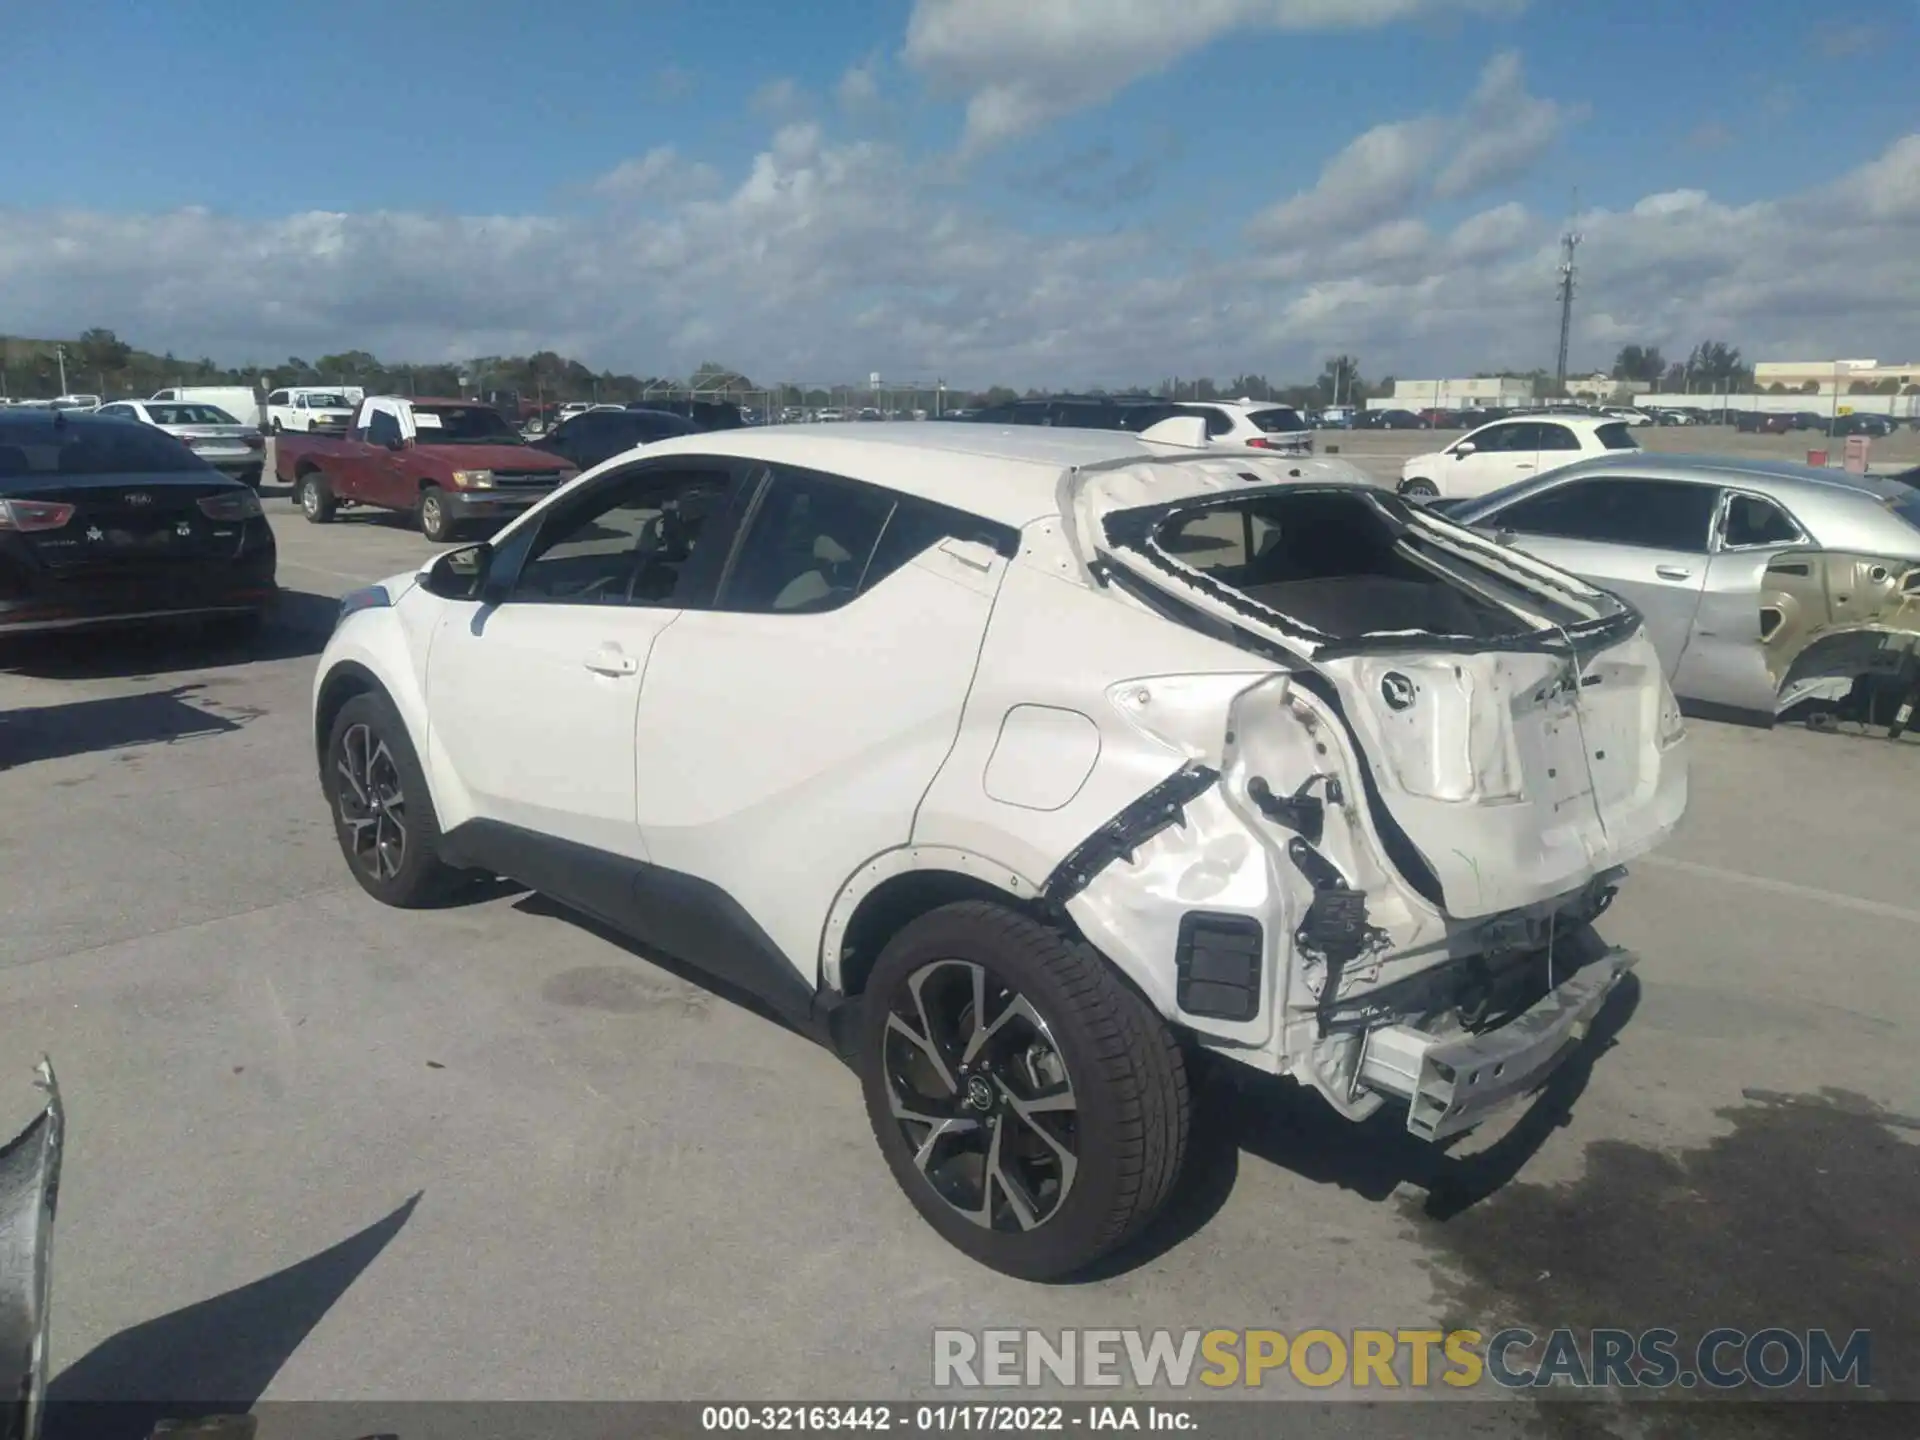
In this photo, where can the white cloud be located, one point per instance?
(859, 88)
(783, 96)
(660, 174)
(1022, 63)
(1391, 169)
(824, 259)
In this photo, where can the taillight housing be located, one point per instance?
(234, 505)
(34, 514)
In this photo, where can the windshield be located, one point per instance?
(1277, 421)
(190, 415)
(463, 425)
(111, 447)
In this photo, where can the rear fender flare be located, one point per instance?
(889, 865)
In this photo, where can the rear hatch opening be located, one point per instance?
(1512, 725)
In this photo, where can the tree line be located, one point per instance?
(99, 361)
(1711, 367)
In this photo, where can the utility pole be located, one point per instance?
(1569, 243)
(60, 354)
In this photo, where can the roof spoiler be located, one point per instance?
(1187, 431)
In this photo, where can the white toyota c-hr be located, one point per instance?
(1024, 768)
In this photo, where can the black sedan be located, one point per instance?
(595, 435)
(1394, 420)
(106, 523)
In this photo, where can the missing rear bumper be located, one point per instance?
(1453, 1083)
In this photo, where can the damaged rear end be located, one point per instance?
(1380, 868)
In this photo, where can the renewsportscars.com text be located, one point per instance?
(1379, 1359)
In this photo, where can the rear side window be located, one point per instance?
(1651, 514)
(1752, 520)
(383, 428)
(1617, 436)
(807, 546)
(917, 525)
(1276, 422)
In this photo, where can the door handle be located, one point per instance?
(608, 660)
(1523, 467)
(1673, 572)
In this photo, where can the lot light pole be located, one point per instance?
(60, 354)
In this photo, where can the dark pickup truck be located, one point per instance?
(446, 462)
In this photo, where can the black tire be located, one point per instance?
(436, 520)
(314, 496)
(1123, 1072)
(277, 429)
(1419, 489)
(370, 740)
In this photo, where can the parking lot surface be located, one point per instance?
(320, 1149)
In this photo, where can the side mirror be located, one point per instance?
(397, 444)
(1504, 537)
(1464, 449)
(461, 574)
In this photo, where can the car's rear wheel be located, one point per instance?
(436, 517)
(1033, 1108)
(382, 814)
(316, 498)
(277, 428)
(1419, 489)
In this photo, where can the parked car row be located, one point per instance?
(1789, 422)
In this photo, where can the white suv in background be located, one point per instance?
(1024, 766)
(1253, 423)
(1483, 460)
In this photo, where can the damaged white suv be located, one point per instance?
(1022, 767)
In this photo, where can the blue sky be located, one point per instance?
(1117, 148)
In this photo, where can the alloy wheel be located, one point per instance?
(982, 1095)
(372, 803)
(310, 497)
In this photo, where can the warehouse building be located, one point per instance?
(1503, 392)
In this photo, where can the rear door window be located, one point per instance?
(1556, 437)
(1650, 514)
(1754, 521)
(807, 546)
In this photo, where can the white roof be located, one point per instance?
(1008, 474)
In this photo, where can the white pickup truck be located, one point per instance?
(303, 408)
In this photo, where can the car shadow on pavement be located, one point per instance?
(1239, 1112)
(534, 903)
(214, 1357)
(299, 626)
(56, 732)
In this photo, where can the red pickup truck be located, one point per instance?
(446, 462)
